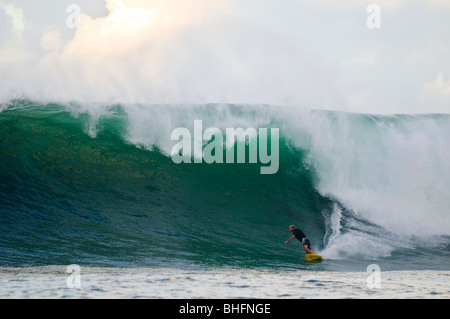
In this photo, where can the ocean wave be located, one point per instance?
(96, 184)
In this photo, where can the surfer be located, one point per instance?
(297, 233)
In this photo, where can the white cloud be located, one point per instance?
(139, 52)
(436, 93)
(439, 86)
(16, 15)
(5, 27)
(367, 57)
(51, 41)
(437, 4)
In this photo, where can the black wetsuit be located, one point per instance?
(302, 237)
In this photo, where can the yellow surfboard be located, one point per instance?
(313, 257)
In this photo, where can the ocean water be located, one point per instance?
(94, 185)
(55, 282)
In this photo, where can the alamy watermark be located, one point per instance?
(73, 281)
(374, 19)
(211, 146)
(74, 19)
(374, 279)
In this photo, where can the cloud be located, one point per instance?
(51, 41)
(138, 52)
(16, 15)
(367, 57)
(5, 27)
(437, 4)
(436, 94)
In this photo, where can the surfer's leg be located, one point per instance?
(307, 247)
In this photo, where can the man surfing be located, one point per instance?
(297, 233)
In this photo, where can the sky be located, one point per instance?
(318, 54)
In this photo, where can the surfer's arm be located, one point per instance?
(290, 238)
